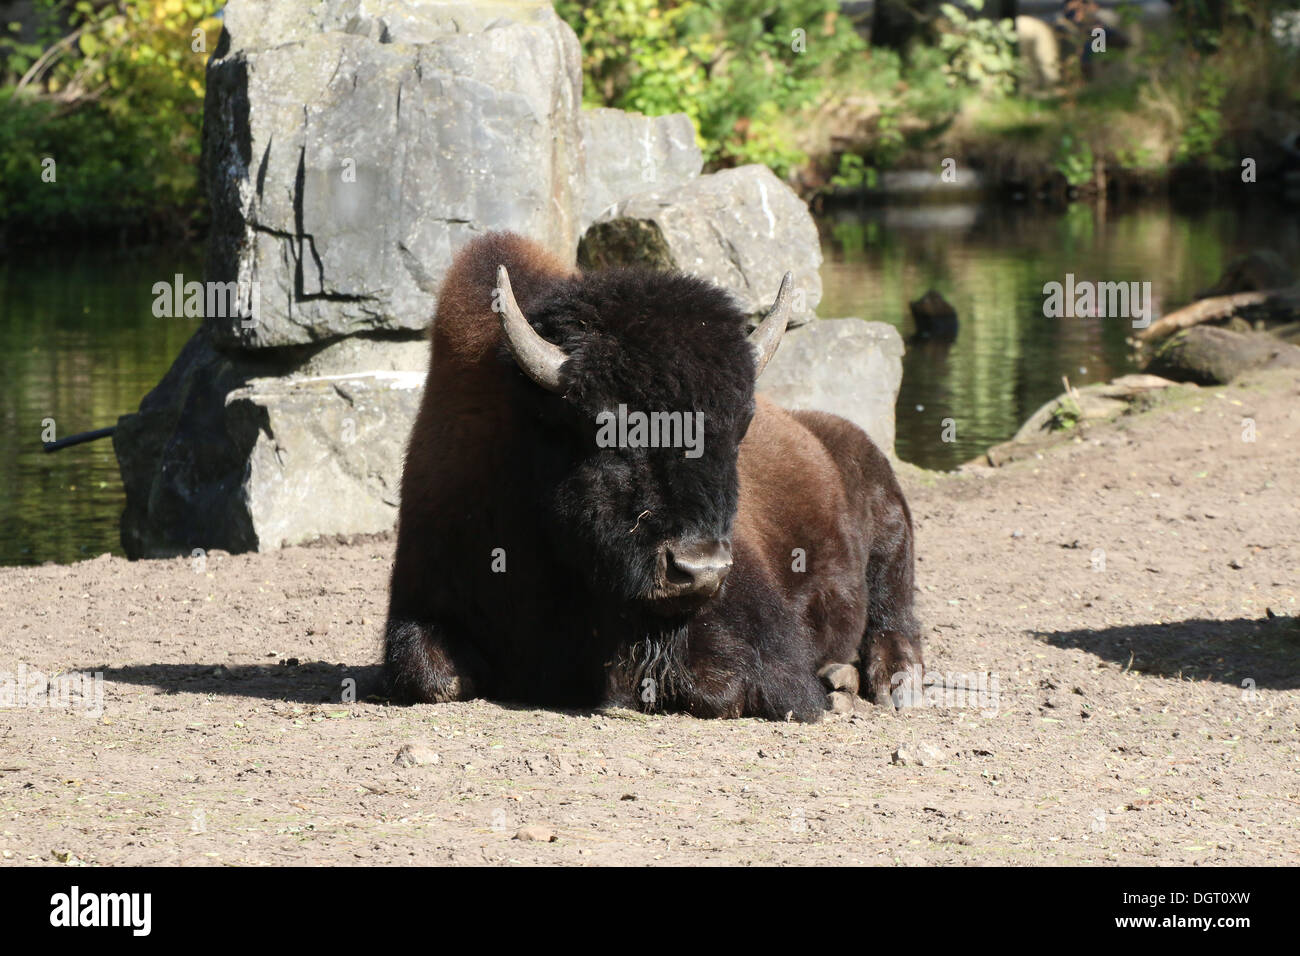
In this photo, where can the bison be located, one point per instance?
(551, 552)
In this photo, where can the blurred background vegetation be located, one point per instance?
(114, 93)
(828, 94)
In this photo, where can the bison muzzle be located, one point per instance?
(569, 537)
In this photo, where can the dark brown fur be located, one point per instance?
(547, 632)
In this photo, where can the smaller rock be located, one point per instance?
(1208, 355)
(535, 834)
(1040, 54)
(918, 755)
(848, 367)
(741, 229)
(415, 755)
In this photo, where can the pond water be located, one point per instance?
(79, 343)
(991, 262)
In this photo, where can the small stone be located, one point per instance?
(535, 834)
(918, 755)
(415, 755)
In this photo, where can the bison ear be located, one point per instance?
(764, 339)
(539, 359)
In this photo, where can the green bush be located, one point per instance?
(981, 53)
(113, 93)
(735, 67)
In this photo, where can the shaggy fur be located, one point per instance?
(499, 469)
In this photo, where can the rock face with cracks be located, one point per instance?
(350, 148)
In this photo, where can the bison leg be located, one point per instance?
(894, 669)
(891, 659)
(731, 677)
(422, 665)
(789, 690)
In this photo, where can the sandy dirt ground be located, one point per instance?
(1122, 610)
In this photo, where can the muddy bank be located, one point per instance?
(1138, 704)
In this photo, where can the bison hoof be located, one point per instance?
(457, 688)
(840, 677)
(840, 702)
(440, 691)
(904, 689)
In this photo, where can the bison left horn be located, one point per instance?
(764, 339)
(539, 359)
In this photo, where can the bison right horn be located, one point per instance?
(764, 339)
(539, 359)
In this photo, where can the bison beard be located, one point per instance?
(535, 564)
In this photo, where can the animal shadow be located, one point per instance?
(307, 682)
(1243, 652)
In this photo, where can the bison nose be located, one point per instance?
(697, 566)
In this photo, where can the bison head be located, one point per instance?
(639, 389)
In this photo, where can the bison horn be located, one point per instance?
(539, 359)
(764, 339)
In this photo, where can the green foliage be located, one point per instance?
(854, 173)
(735, 67)
(980, 53)
(1074, 161)
(116, 100)
(930, 94)
(1066, 415)
(1203, 132)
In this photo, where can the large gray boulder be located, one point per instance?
(255, 450)
(740, 228)
(628, 153)
(850, 367)
(352, 147)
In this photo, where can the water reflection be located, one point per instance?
(991, 262)
(79, 345)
